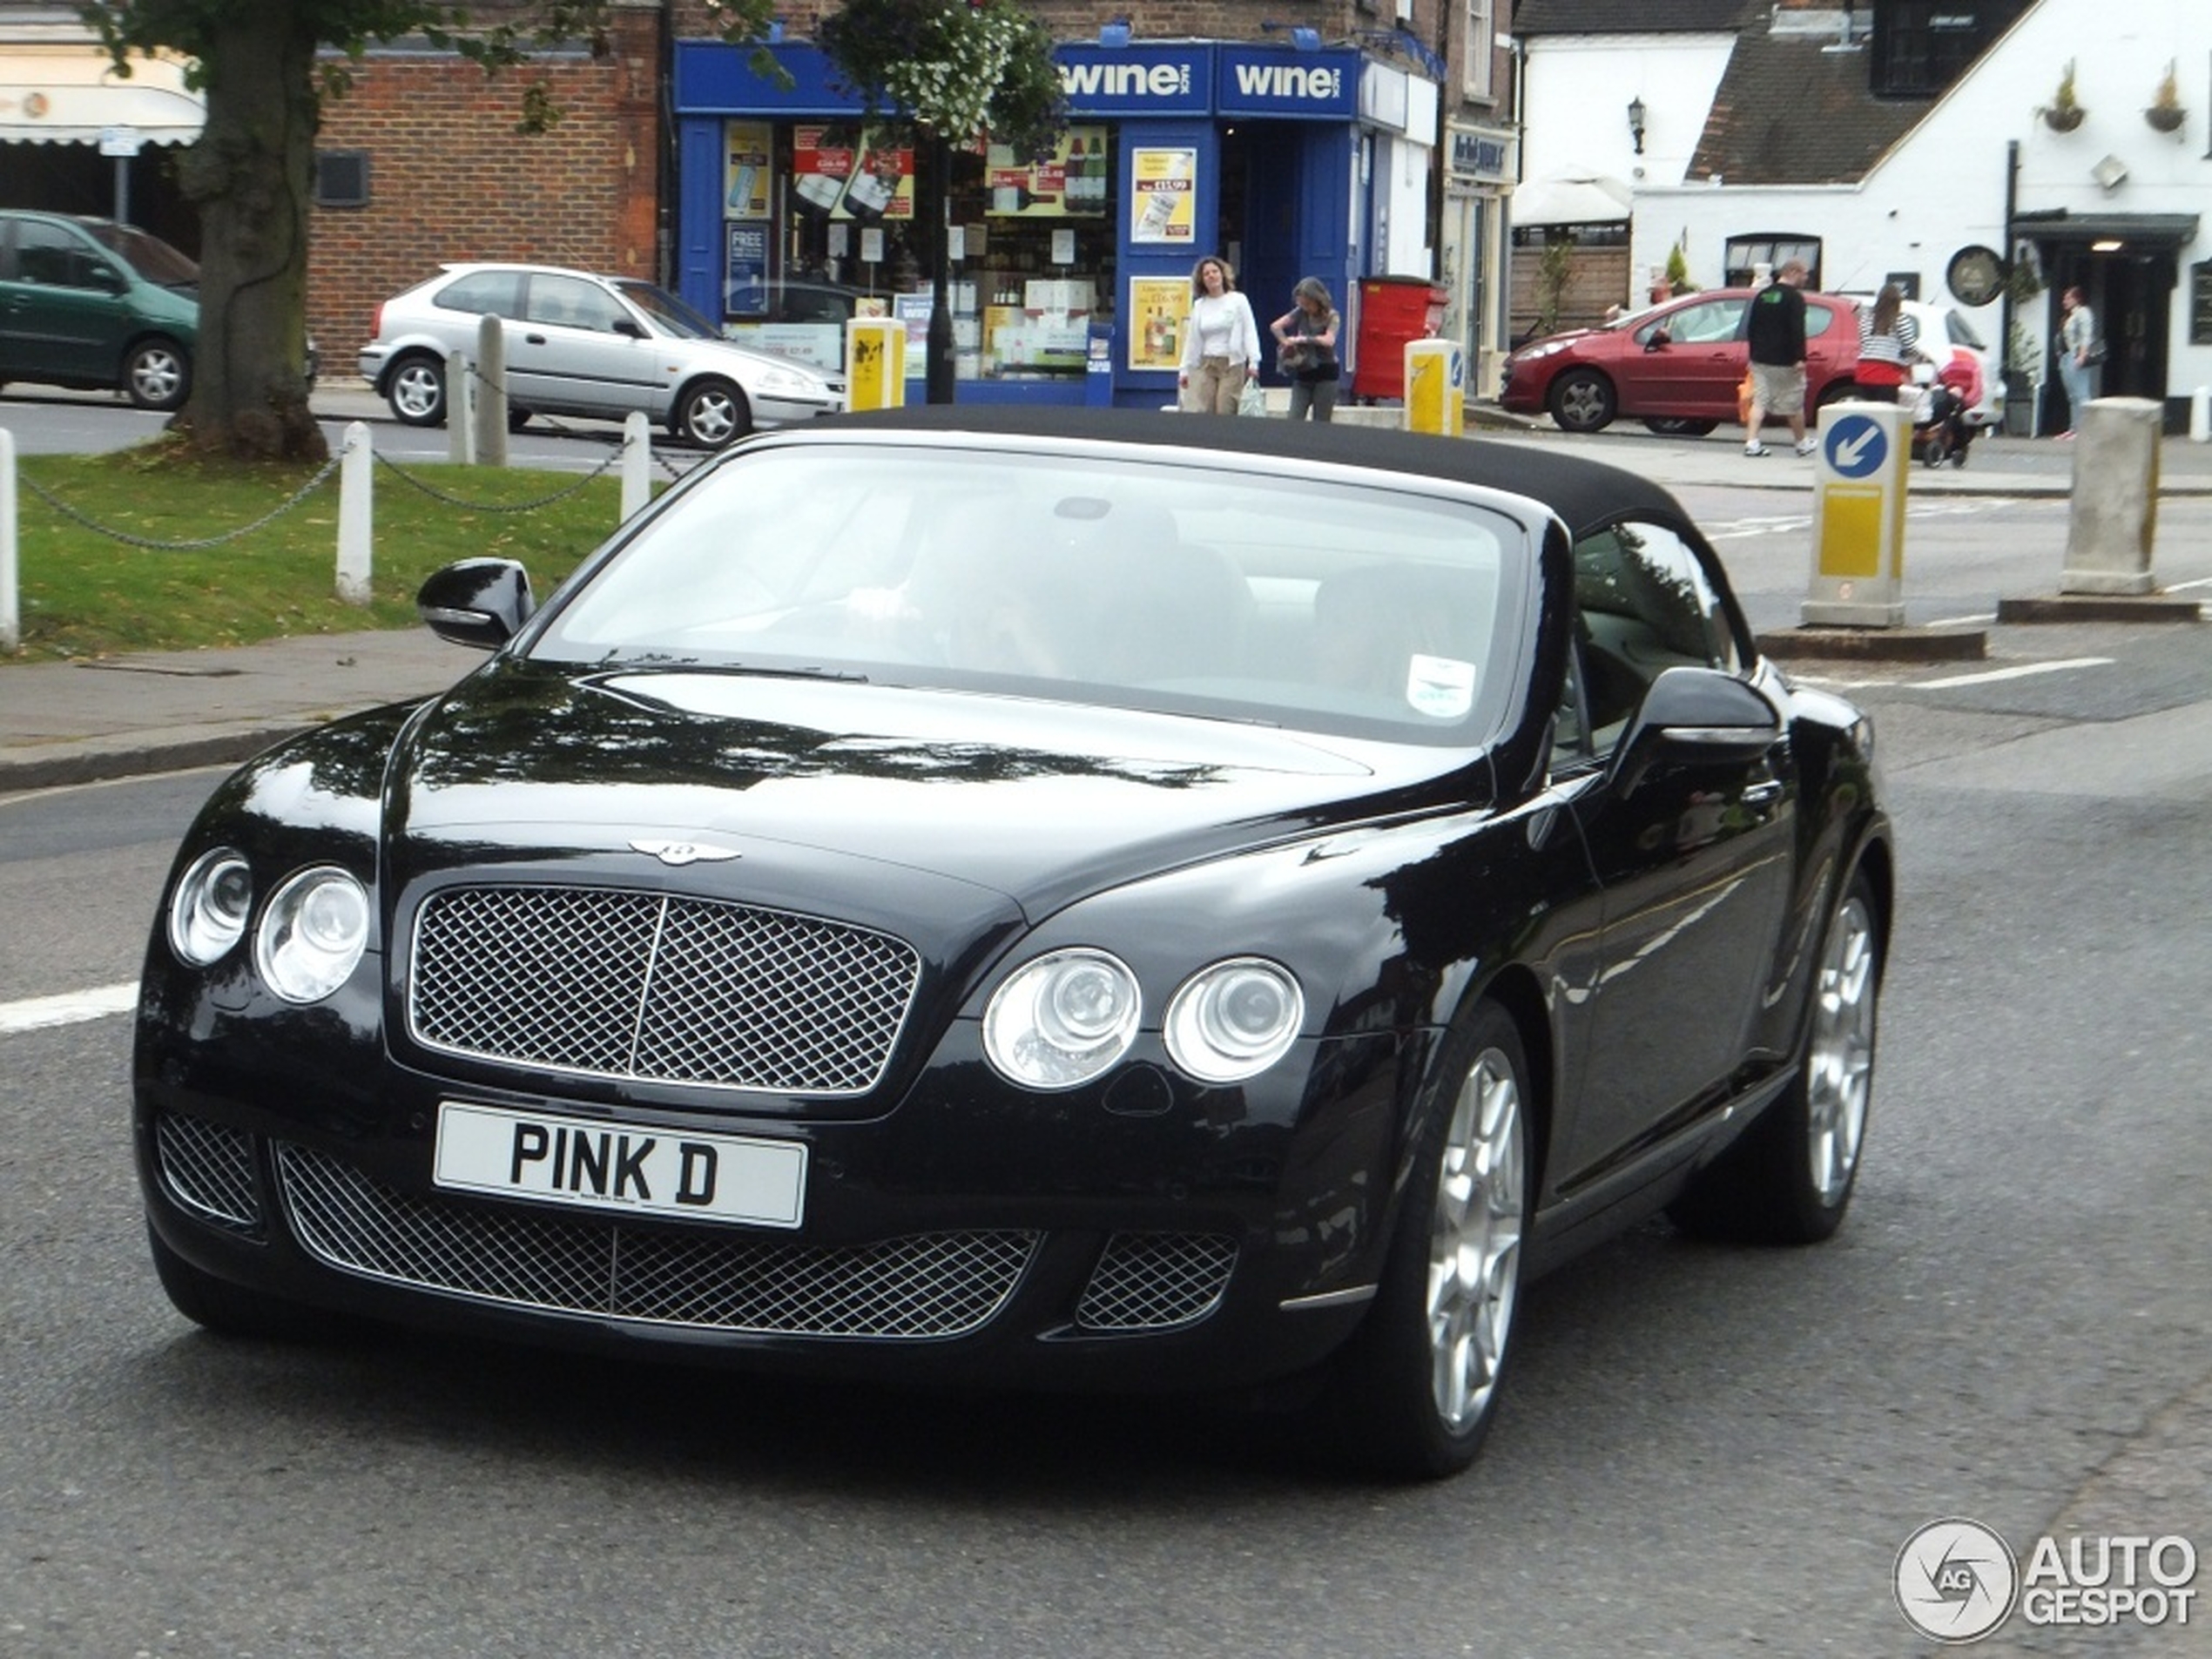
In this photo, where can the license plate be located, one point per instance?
(598, 1165)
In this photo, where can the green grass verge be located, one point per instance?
(83, 592)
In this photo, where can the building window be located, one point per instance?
(341, 177)
(1921, 46)
(1773, 249)
(1481, 48)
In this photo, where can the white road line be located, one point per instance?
(2018, 671)
(70, 1009)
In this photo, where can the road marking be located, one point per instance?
(2021, 671)
(72, 1008)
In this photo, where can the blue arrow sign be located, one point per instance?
(1857, 445)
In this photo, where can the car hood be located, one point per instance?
(833, 782)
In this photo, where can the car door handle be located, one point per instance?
(533, 339)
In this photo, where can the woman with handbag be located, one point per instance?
(1306, 349)
(1220, 342)
(2081, 355)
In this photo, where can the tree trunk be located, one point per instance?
(251, 176)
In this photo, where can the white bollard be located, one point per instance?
(636, 463)
(2201, 414)
(461, 411)
(355, 518)
(10, 607)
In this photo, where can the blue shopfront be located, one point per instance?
(793, 216)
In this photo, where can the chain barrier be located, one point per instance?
(450, 500)
(554, 426)
(193, 546)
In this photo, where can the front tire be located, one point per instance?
(157, 375)
(1788, 1179)
(230, 1310)
(713, 414)
(1678, 426)
(1583, 401)
(1417, 1387)
(417, 390)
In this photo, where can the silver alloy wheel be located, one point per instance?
(418, 392)
(1474, 1240)
(1581, 401)
(714, 415)
(1839, 1061)
(157, 376)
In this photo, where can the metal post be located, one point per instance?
(636, 463)
(355, 517)
(943, 364)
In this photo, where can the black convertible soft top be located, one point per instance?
(1585, 494)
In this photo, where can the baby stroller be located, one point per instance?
(1941, 433)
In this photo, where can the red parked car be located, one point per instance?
(1676, 366)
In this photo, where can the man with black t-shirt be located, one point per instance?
(1777, 336)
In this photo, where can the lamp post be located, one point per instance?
(1635, 123)
(939, 371)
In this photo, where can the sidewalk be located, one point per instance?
(81, 722)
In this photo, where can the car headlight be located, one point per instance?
(312, 935)
(208, 911)
(1063, 1019)
(1234, 1019)
(786, 379)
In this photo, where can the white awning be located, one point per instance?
(75, 94)
(1587, 199)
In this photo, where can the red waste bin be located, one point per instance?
(1393, 310)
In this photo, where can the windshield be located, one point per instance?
(1152, 584)
(670, 315)
(148, 255)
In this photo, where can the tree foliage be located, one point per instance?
(955, 69)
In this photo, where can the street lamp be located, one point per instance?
(1636, 122)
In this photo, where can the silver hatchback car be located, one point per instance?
(579, 344)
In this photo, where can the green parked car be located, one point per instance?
(89, 303)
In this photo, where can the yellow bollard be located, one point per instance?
(875, 363)
(1435, 387)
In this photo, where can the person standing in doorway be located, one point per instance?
(2081, 355)
(1220, 340)
(1777, 336)
(1306, 338)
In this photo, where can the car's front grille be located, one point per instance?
(667, 989)
(1153, 1281)
(923, 1287)
(208, 1170)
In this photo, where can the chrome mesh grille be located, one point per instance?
(926, 1286)
(208, 1170)
(1152, 1281)
(669, 990)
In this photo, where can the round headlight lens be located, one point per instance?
(1063, 1019)
(1234, 1019)
(312, 935)
(208, 911)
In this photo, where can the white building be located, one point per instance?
(1899, 142)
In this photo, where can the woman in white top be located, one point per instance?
(1220, 340)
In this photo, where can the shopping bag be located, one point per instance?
(1251, 400)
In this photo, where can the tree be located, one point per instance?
(251, 174)
(949, 71)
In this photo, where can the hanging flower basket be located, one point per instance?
(2166, 118)
(2063, 117)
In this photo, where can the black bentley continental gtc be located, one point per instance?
(1044, 900)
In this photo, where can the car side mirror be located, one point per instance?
(628, 325)
(1658, 340)
(1694, 717)
(482, 602)
(106, 278)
